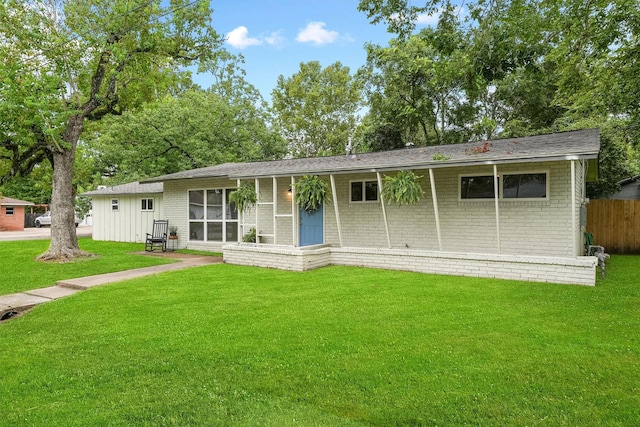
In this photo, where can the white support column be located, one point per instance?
(496, 199)
(275, 209)
(335, 207)
(240, 218)
(384, 210)
(257, 184)
(294, 213)
(436, 212)
(574, 232)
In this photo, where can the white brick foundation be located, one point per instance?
(578, 270)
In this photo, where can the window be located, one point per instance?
(115, 205)
(525, 186)
(511, 186)
(364, 191)
(147, 204)
(212, 217)
(477, 187)
(9, 210)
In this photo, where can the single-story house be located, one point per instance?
(12, 214)
(629, 189)
(125, 213)
(509, 208)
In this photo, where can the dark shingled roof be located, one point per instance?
(130, 188)
(581, 144)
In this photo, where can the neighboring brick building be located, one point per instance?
(12, 214)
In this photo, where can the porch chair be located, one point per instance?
(158, 235)
(597, 251)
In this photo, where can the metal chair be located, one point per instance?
(158, 236)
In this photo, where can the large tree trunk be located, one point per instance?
(64, 242)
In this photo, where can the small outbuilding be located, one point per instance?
(509, 208)
(125, 213)
(12, 214)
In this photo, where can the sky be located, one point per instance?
(275, 36)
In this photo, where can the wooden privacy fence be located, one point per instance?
(615, 224)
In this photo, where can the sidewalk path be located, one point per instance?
(11, 305)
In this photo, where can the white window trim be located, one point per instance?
(501, 183)
(116, 205)
(153, 204)
(204, 220)
(363, 181)
(6, 210)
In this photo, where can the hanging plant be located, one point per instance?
(404, 188)
(244, 196)
(311, 192)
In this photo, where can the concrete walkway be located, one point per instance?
(11, 305)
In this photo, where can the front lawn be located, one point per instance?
(19, 270)
(225, 345)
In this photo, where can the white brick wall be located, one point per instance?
(578, 270)
(526, 227)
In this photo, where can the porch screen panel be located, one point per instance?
(231, 218)
(196, 215)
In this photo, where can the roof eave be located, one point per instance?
(440, 164)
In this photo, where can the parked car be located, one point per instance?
(45, 219)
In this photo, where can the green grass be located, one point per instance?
(19, 270)
(225, 345)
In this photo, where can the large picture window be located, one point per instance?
(364, 191)
(212, 218)
(511, 186)
(477, 187)
(525, 186)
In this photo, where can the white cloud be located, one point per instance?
(275, 38)
(426, 19)
(315, 33)
(239, 38)
(432, 20)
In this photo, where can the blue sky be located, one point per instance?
(275, 36)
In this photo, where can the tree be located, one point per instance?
(66, 63)
(536, 67)
(317, 108)
(417, 84)
(192, 130)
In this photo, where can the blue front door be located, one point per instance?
(311, 227)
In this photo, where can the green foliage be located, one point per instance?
(71, 62)
(440, 157)
(224, 345)
(250, 236)
(244, 196)
(311, 192)
(194, 129)
(381, 138)
(404, 188)
(316, 108)
(511, 69)
(109, 257)
(82, 206)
